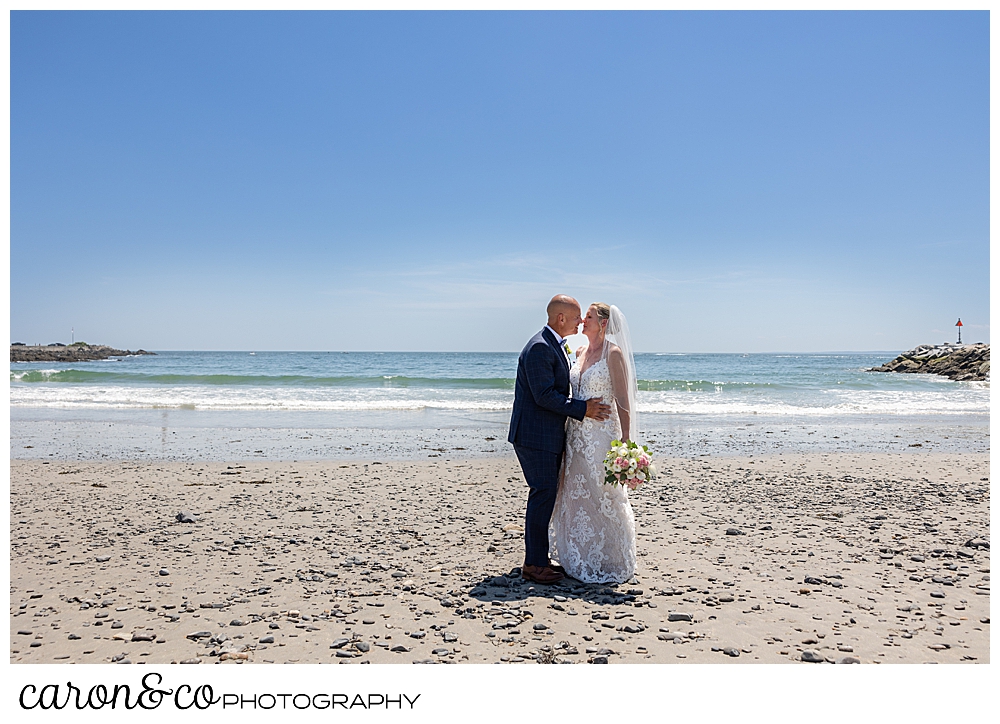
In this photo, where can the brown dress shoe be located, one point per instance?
(540, 574)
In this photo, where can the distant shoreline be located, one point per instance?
(888, 353)
(78, 352)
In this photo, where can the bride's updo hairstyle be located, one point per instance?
(603, 312)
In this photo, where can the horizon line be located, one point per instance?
(438, 351)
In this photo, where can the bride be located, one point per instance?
(592, 527)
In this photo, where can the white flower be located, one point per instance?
(653, 472)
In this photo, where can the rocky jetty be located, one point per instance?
(961, 362)
(79, 352)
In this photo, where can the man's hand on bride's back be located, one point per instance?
(597, 409)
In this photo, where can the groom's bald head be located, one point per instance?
(561, 303)
(564, 314)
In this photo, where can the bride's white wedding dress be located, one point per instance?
(592, 530)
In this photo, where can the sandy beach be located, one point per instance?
(796, 557)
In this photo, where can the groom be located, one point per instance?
(542, 402)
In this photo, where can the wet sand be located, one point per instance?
(205, 435)
(878, 557)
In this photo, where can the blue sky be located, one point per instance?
(426, 181)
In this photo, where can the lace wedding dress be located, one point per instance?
(592, 530)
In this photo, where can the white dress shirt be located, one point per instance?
(561, 340)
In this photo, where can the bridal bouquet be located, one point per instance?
(628, 463)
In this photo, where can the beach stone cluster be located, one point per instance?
(960, 362)
(80, 352)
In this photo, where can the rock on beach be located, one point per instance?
(78, 352)
(962, 363)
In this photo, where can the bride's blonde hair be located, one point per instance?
(603, 310)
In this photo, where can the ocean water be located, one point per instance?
(697, 384)
(326, 405)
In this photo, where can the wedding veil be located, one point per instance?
(618, 333)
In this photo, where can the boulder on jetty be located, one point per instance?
(79, 352)
(961, 362)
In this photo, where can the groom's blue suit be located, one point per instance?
(542, 403)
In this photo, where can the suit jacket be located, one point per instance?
(542, 399)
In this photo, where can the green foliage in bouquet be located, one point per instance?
(628, 464)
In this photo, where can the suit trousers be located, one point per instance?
(541, 472)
